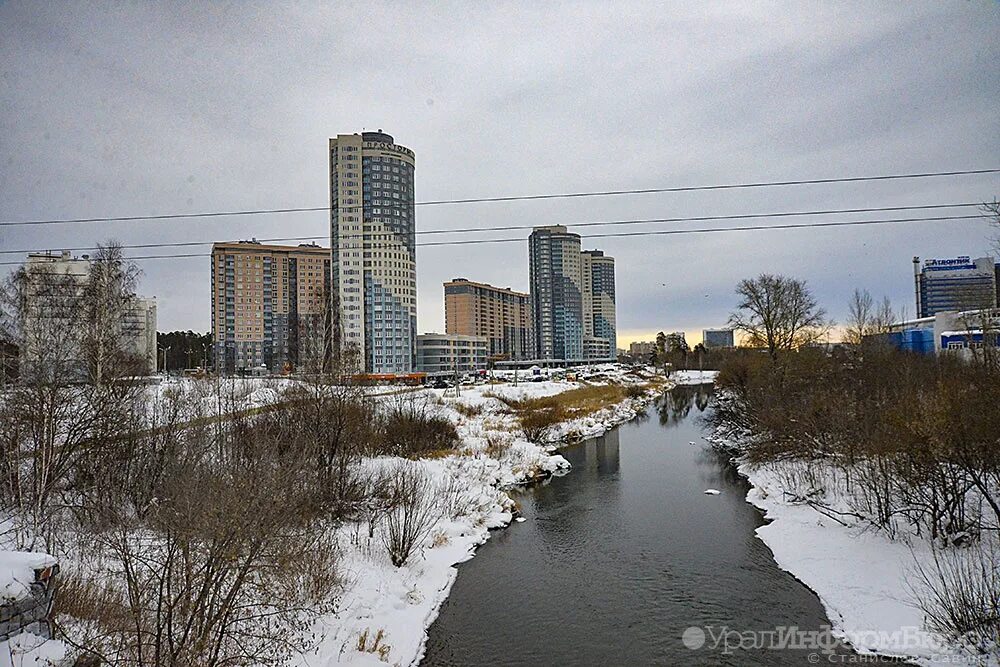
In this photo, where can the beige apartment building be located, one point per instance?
(499, 314)
(269, 306)
(642, 348)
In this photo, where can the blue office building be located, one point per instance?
(955, 284)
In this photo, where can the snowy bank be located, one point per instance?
(385, 611)
(693, 377)
(862, 577)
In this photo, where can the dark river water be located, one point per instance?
(622, 555)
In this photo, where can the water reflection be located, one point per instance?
(619, 557)
(675, 405)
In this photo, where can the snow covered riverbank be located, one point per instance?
(385, 611)
(693, 377)
(863, 578)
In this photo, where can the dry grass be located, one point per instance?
(538, 415)
(467, 410)
(432, 454)
(87, 600)
(374, 645)
(498, 444)
(573, 403)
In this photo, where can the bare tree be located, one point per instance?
(991, 211)
(209, 555)
(865, 318)
(959, 594)
(106, 301)
(50, 421)
(778, 313)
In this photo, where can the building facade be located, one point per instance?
(372, 247)
(556, 292)
(500, 314)
(451, 353)
(600, 339)
(140, 323)
(642, 348)
(717, 338)
(955, 284)
(270, 309)
(56, 320)
(961, 333)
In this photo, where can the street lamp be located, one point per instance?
(165, 350)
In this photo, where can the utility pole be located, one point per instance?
(189, 357)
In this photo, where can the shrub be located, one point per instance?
(467, 410)
(412, 514)
(498, 444)
(408, 427)
(537, 424)
(635, 391)
(959, 594)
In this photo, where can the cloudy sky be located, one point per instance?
(172, 107)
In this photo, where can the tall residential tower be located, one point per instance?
(373, 267)
(556, 292)
(600, 339)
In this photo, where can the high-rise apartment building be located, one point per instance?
(270, 308)
(556, 292)
(500, 314)
(572, 297)
(956, 284)
(372, 237)
(600, 339)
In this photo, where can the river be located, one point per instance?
(618, 558)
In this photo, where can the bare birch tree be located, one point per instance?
(107, 297)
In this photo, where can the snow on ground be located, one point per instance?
(693, 377)
(17, 572)
(860, 576)
(380, 601)
(401, 603)
(29, 650)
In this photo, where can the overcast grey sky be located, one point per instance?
(150, 108)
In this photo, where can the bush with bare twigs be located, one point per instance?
(410, 426)
(414, 510)
(959, 595)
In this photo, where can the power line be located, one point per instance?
(474, 200)
(662, 232)
(608, 223)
